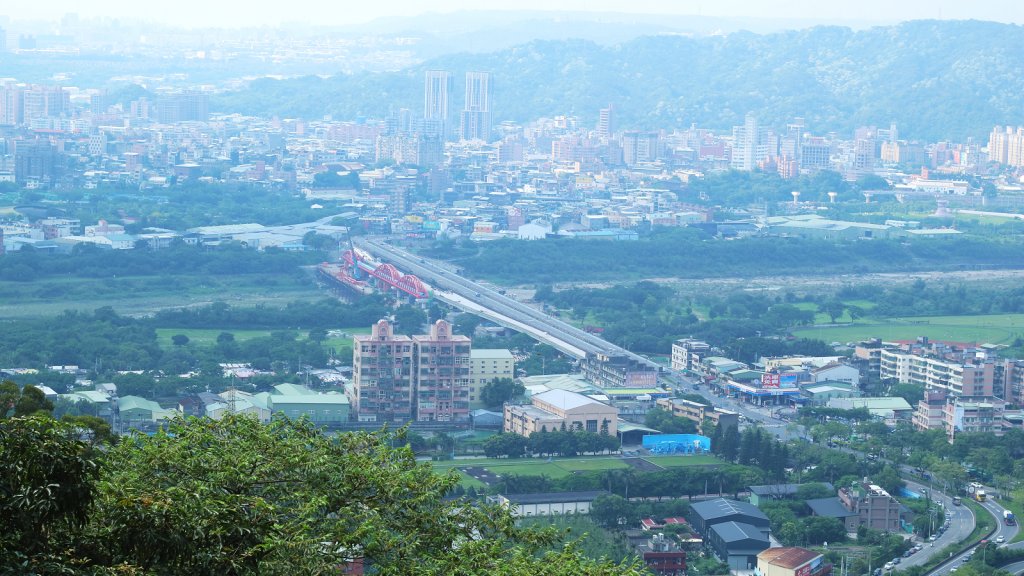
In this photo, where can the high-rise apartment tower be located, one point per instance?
(437, 103)
(476, 114)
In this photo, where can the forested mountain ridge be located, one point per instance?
(937, 79)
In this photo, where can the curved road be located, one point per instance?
(961, 524)
(1008, 533)
(1015, 568)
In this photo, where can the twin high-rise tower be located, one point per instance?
(475, 118)
(437, 103)
(475, 121)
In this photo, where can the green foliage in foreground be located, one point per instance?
(237, 497)
(595, 541)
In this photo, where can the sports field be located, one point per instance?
(993, 329)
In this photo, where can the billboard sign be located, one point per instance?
(770, 380)
(787, 380)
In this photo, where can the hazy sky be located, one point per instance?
(234, 13)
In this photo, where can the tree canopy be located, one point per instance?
(495, 393)
(238, 497)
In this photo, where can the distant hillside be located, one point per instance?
(937, 79)
(474, 31)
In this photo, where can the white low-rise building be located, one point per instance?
(549, 503)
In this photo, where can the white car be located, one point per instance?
(1000, 540)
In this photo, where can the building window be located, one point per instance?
(591, 425)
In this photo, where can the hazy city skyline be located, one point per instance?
(196, 14)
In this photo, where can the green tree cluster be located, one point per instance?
(667, 423)
(751, 447)
(506, 446)
(614, 511)
(324, 313)
(648, 317)
(571, 442)
(687, 482)
(22, 400)
(237, 497)
(495, 393)
(91, 262)
(935, 299)
(108, 343)
(685, 253)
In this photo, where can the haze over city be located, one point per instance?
(694, 288)
(195, 13)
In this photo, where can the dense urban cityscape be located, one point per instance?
(460, 332)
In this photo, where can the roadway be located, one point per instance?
(959, 522)
(470, 306)
(479, 299)
(1007, 533)
(767, 417)
(561, 335)
(1015, 568)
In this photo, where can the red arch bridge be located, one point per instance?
(387, 276)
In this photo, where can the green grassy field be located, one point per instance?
(502, 466)
(207, 336)
(864, 304)
(466, 481)
(988, 218)
(822, 318)
(148, 294)
(338, 342)
(995, 329)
